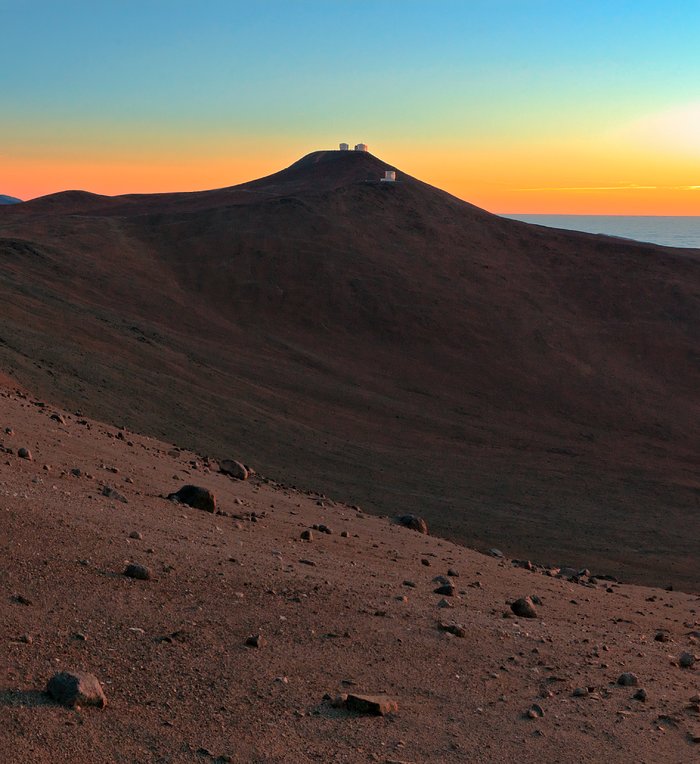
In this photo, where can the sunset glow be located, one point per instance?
(516, 106)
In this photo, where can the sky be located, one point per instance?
(518, 106)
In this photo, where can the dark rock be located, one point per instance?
(628, 679)
(661, 636)
(75, 688)
(686, 660)
(580, 692)
(57, 418)
(377, 705)
(140, 572)
(453, 628)
(414, 522)
(20, 599)
(524, 608)
(135, 535)
(255, 640)
(344, 534)
(453, 572)
(496, 553)
(111, 493)
(307, 535)
(233, 469)
(195, 496)
(641, 695)
(446, 590)
(535, 711)
(25, 453)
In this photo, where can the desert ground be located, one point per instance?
(351, 610)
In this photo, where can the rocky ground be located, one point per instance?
(240, 640)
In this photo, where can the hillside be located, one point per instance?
(352, 610)
(9, 199)
(387, 344)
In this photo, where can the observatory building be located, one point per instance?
(344, 147)
(360, 147)
(389, 176)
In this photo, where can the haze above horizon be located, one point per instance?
(518, 107)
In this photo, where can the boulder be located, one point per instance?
(377, 705)
(76, 688)
(195, 496)
(233, 469)
(524, 608)
(413, 522)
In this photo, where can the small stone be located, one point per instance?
(57, 418)
(447, 590)
(580, 692)
(255, 640)
(344, 534)
(524, 608)
(25, 639)
(307, 535)
(535, 711)
(324, 529)
(139, 572)
(686, 660)
(233, 469)
(411, 584)
(20, 599)
(414, 522)
(661, 636)
(377, 705)
(135, 535)
(75, 688)
(496, 553)
(641, 695)
(628, 679)
(25, 453)
(425, 562)
(195, 496)
(445, 603)
(452, 572)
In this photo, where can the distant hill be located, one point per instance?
(524, 388)
(9, 199)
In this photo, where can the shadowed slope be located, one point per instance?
(388, 343)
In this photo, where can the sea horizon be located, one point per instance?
(666, 230)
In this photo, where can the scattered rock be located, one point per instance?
(377, 705)
(524, 608)
(195, 496)
(453, 628)
(641, 695)
(135, 535)
(628, 679)
(453, 572)
(58, 418)
(445, 603)
(307, 535)
(686, 660)
(110, 493)
(255, 640)
(344, 534)
(496, 553)
(25, 453)
(140, 572)
(75, 688)
(233, 469)
(535, 711)
(661, 636)
(413, 522)
(580, 692)
(447, 590)
(20, 599)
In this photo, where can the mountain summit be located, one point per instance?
(386, 343)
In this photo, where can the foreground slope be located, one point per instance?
(385, 343)
(337, 614)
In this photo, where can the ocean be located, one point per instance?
(671, 231)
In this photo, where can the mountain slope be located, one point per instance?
(4, 199)
(386, 343)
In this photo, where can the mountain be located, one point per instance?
(9, 199)
(385, 343)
